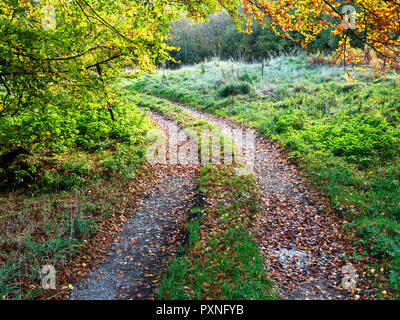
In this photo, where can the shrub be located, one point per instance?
(233, 89)
(319, 60)
(124, 161)
(361, 139)
(244, 88)
(51, 182)
(245, 77)
(288, 122)
(209, 103)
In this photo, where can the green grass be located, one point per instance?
(221, 259)
(344, 135)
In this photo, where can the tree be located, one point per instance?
(220, 37)
(371, 22)
(66, 51)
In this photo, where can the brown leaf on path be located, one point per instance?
(205, 286)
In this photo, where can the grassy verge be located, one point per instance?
(221, 259)
(57, 204)
(343, 134)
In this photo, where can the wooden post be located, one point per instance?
(262, 68)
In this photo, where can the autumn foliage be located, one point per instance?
(49, 46)
(53, 46)
(373, 22)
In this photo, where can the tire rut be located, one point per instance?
(139, 253)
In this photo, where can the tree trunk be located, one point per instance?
(8, 158)
(110, 109)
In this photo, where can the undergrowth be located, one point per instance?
(53, 201)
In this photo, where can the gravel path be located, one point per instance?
(136, 261)
(302, 244)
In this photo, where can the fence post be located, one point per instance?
(262, 68)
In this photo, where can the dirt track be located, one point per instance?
(136, 261)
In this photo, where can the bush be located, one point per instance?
(124, 161)
(245, 77)
(361, 139)
(244, 88)
(55, 182)
(319, 60)
(288, 122)
(52, 132)
(233, 89)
